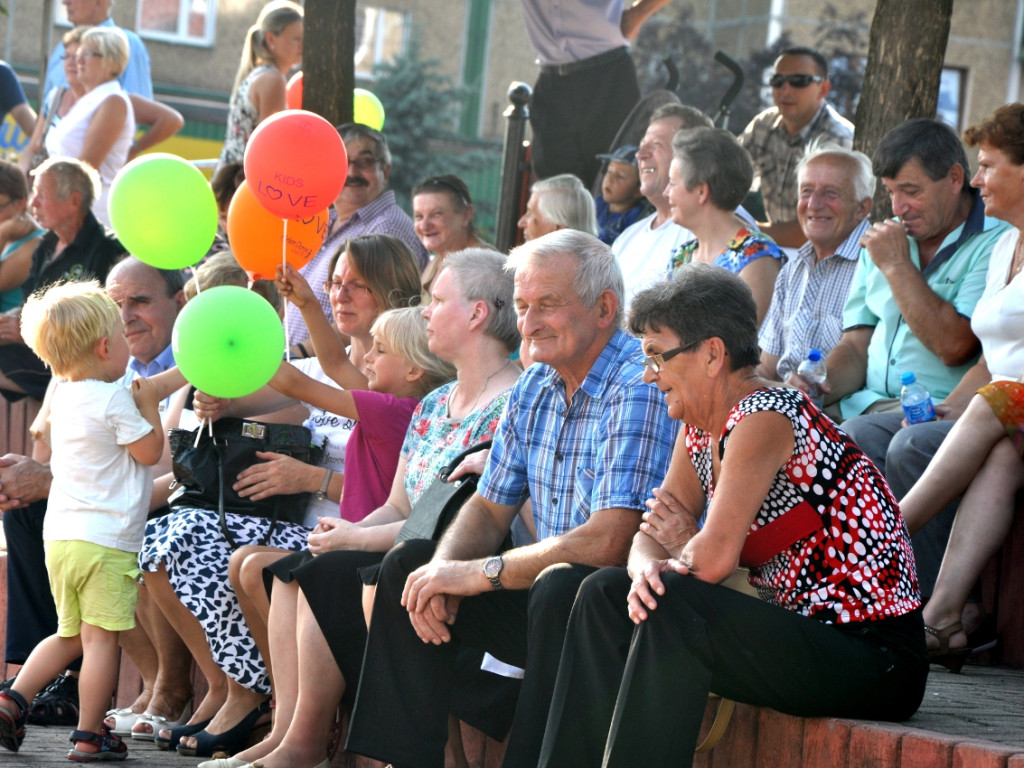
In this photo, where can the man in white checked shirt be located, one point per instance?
(835, 188)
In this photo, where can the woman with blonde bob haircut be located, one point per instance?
(99, 128)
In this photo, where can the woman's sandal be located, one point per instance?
(231, 741)
(12, 719)
(108, 746)
(121, 721)
(951, 658)
(149, 725)
(176, 733)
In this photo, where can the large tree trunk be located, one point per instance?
(901, 81)
(328, 61)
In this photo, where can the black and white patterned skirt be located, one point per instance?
(191, 546)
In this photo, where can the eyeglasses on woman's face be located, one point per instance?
(84, 55)
(351, 289)
(657, 362)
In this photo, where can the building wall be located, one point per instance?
(982, 42)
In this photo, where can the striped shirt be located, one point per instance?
(775, 154)
(807, 308)
(607, 449)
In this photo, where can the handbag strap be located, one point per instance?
(222, 519)
(717, 730)
(451, 466)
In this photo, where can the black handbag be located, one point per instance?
(205, 469)
(435, 509)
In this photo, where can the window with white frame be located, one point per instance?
(380, 37)
(177, 21)
(951, 97)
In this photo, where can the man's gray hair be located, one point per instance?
(597, 269)
(688, 117)
(564, 200)
(481, 275)
(72, 175)
(358, 130)
(857, 163)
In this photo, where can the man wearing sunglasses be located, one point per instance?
(778, 137)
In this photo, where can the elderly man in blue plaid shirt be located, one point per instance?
(585, 439)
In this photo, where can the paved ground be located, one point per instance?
(984, 703)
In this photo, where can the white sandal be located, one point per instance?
(156, 723)
(224, 762)
(121, 721)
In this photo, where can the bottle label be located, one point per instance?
(919, 413)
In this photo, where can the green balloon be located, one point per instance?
(163, 211)
(227, 341)
(367, 109)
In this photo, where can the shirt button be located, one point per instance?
(558, 457)
(554, 501)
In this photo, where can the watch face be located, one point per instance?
(492, 567)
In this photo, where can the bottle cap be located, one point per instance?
(907, 378)
(814, 355)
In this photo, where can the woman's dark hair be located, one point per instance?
(931, 142)
(225, 183)
(452, 186)
(714, 157)
(701, 302)
(12, 181)
(388, 267)
(1003, 131)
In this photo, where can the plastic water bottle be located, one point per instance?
(916, 402)
(812, 370)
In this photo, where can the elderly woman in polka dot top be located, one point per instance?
(837, 630)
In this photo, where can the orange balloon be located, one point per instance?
(293, 91)
(256, 235)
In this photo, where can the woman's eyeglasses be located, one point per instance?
(349, 289)
(657, 362)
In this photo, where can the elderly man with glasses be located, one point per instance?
(365, 206)
(778, 137)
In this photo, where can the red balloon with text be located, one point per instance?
(295, 164)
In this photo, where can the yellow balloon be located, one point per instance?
(367, 109)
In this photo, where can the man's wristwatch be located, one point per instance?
(492, 570)
(321, 494)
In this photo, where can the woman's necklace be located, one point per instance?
(487, 381)
(1018, 258)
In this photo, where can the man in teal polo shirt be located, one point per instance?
(915, 314)
(917, 281)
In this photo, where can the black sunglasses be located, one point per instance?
(796, 81)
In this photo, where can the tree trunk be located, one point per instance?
(901, 81)
(328, 61)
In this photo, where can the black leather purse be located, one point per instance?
(437, 506)
(205, 469)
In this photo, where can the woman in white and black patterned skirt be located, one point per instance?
(185, 555)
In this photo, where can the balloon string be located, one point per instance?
(284, 262)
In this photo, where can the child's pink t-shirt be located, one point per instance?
(372, 452)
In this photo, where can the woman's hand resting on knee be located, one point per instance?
(332, 533)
